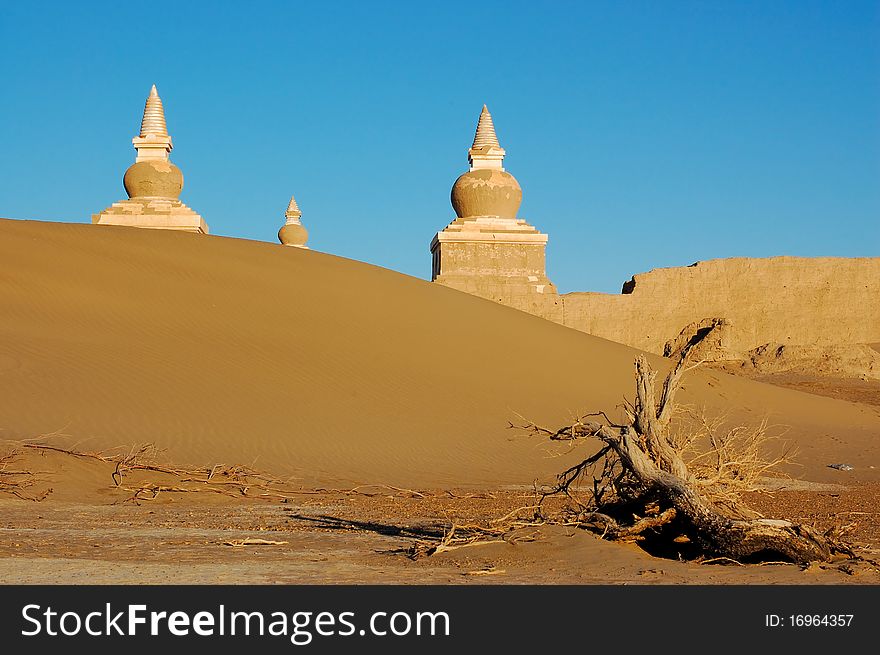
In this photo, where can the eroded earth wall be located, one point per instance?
(784, 300)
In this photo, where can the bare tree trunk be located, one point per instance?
(642, 463)
(645, 451)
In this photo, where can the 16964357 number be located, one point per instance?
(820, 620)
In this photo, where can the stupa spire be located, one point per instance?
(293, 213)
(153, 142)
(153, 121)
(485, 135)
(486, 152)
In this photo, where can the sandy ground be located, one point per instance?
(352, 538)
(854, 390)
(325, 373)
(91, 530)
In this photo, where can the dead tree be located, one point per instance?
(642, 482)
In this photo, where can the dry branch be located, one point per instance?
(645, 464)
(250, 541)
(19, 482)
(470, 535)
(233, 481)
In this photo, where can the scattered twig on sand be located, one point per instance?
(358, 490)
(471, 535)
(16, 482)
(150, 491)
(516, 512)
(722, 560)
(487, 571)
(488, 495)
(771, 563)
(130, 461)
(250, 541)
(233, 481)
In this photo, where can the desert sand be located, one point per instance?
(324, 372)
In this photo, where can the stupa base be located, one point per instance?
(152, 213)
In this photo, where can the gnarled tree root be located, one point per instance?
(643, 464)
(716, 533)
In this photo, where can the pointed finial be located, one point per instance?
(153, 142)
(485, 135)
(486, 153)
(292, 209)
(154, 116)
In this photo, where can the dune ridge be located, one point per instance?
(318, 367)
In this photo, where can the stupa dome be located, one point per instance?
(293, 234)
(153, 178)
(486, 192)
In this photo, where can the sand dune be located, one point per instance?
(323, 368)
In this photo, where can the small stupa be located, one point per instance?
(487, 250)
(153, 183)
(293, 233)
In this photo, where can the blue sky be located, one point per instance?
(644, 134)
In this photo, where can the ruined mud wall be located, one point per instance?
(784, 300)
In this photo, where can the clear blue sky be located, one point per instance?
(644, 134)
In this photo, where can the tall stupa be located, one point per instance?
(153, 183)
(487, 251)
(293, 233)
